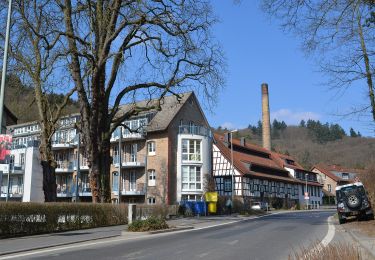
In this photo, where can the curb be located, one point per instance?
(358, 240)
(55, 245)
(123, 233)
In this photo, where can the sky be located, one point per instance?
(258, 51)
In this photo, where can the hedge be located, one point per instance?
(19, 219)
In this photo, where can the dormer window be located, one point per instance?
(345, 176)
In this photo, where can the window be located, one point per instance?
(329, 187)
(151, 178)
(191, 150)
(115, 181)
(151, 148)
(345, 175)
(22, 159)
(227, 185)
(151, 200)
(191, 178)
(191, 197)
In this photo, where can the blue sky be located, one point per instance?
(258, 51)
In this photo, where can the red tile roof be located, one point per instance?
(328, 170)
(241, 158)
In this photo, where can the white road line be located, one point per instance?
(330, 234)
(232, 243)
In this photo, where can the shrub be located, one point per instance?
(368, 179)
(149, 224)
(18, 219)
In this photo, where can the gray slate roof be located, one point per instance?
(169, 109)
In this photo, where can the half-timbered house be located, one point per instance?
(256, 172)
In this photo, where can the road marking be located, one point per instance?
(232, 243)
(330, 234)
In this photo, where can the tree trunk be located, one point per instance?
(367, 66)
(49, 181)
(49, 166)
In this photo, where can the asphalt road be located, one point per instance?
(269, 237)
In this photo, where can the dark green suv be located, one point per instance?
(352, 200)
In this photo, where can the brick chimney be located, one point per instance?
(266, 125)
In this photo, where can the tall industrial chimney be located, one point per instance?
(266, 125)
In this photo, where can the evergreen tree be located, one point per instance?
(352, 133)
(302, 123)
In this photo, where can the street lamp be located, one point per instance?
(306, 193)
(231, 155)
(5, 63)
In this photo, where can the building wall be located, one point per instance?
(326, 180)
(158, 162)
(189, 113)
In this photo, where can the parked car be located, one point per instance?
(259, 206)
(352, 201)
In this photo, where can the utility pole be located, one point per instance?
(120, 162)
(231, 154)
(76, 196)
(5, 63)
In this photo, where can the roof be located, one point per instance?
(170, 106)
(329, 169)
(243, 157)
(10, 113)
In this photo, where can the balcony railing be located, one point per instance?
(69, 191)
(83, 164)
(138, 189)
(14, 191)
(33, 143)
(127, 135)
(17, 168)
(194, 130)
(130, 160)
(63, 143)
(64, 166)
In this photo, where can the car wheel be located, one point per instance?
(370, 217)
(354, 200)
(341, 219)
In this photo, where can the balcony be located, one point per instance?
(127, 135)
(83, 164)
(130, 160)
(15, 191)
(194, 130)
(66, 192)
(17, 168)
(138, 189)
(62, 144)
(64, 166)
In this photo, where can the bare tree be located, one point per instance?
(339, 33)
(35, 51)
(123, 51)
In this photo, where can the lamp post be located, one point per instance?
(120, 163)
(306, 193)
(5, 63)
(231, 155)
(76, 196)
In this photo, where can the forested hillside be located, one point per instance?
(20, 100)
(313, 142)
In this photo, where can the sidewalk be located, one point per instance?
(22, 244)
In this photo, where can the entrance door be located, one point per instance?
(132, 181)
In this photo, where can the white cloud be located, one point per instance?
(229, 126)
(292, 117)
